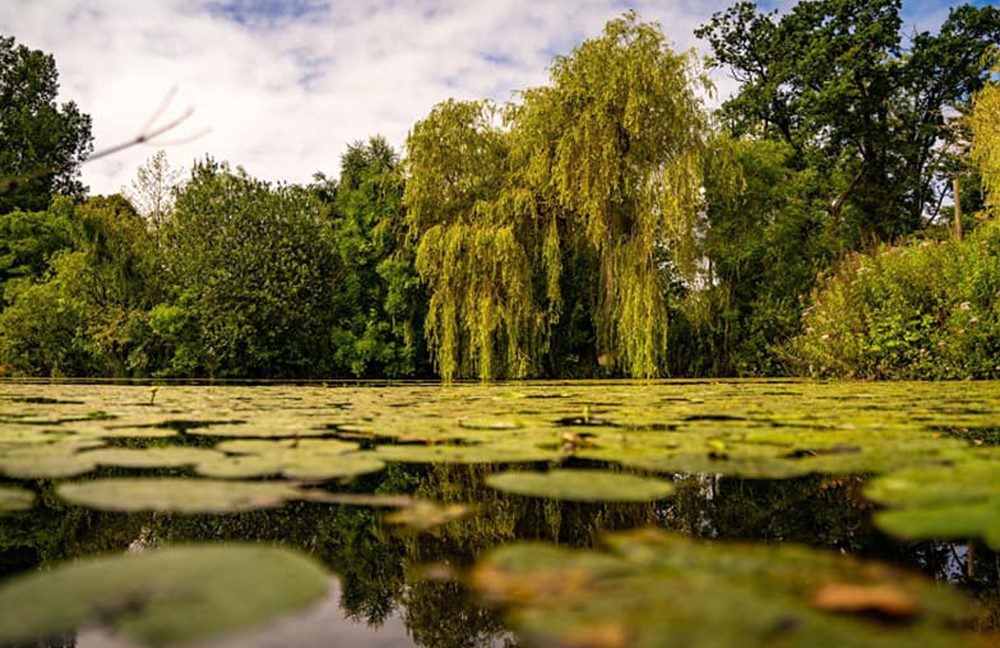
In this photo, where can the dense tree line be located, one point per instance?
(605, 224)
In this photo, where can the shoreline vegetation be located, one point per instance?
(836, 217)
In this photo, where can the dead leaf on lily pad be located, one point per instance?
(670, 590)
(422, 515)
(883, 600)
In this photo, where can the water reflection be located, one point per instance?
(384, 596)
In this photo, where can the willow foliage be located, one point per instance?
(472, 252)
(986, 137)
(605, 161)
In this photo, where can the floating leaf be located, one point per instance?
(162, 457)
(884, 600)
(178, 494)
(13, 498)
(160, 598)
(655, 589)
(270, 447)
(468, 454)
(306, 459)
(422, 515)
(489, 424)
(45, 462)
(582, 485)
(280, 430)
(959, 500)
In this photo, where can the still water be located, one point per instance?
(588, 514)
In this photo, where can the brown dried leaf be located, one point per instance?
(850, 598)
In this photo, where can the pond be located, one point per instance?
(578, 514)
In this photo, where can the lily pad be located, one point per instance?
(162, 457)
(179, 495)
(464, 454)
(258, 430)
(649, 588)
(945, 501)
(48, 461)
(162, 598)
(301, 465)
(270, 447)
(582, 485)
(422, 515)
(13, 498)
(305, 459)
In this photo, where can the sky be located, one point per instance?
(282, 87)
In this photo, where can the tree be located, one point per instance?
(41, 143)
(30, 240)
(153, 191)
(86, 314)
(617, 141)
(603, 165)
(469, 252)
(252, 273)
(764, 239)
(378, 300)
(834, 80)
(985, 126)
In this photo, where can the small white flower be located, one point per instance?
(965, 306)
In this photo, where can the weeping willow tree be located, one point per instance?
(473, 251)
(605, 161)
(985, 121)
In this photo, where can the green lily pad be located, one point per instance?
(655, 589)
(126, 432)
(582, 485)
(300, 465)
(261, 431)
(464, 454)
(179, 495)
(958, 501)
(162, 457)
(162, 598)
(50, 461)
(13, 498)
(305, 459)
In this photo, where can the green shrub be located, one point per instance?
(925, 310)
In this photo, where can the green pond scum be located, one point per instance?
(574, 514)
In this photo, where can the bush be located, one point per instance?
(926, 310)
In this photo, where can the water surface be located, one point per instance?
(402, 499)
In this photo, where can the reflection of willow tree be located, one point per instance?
(443, 613)
(600, 169)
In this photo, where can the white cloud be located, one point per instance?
(284, 95)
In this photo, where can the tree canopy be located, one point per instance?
(602, 224)
(603, 162)
(837, 81)
(41, 143)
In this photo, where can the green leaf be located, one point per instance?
(13, 498)
(582, 485)
(179, 495)
(649, 588)
(164, 597)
